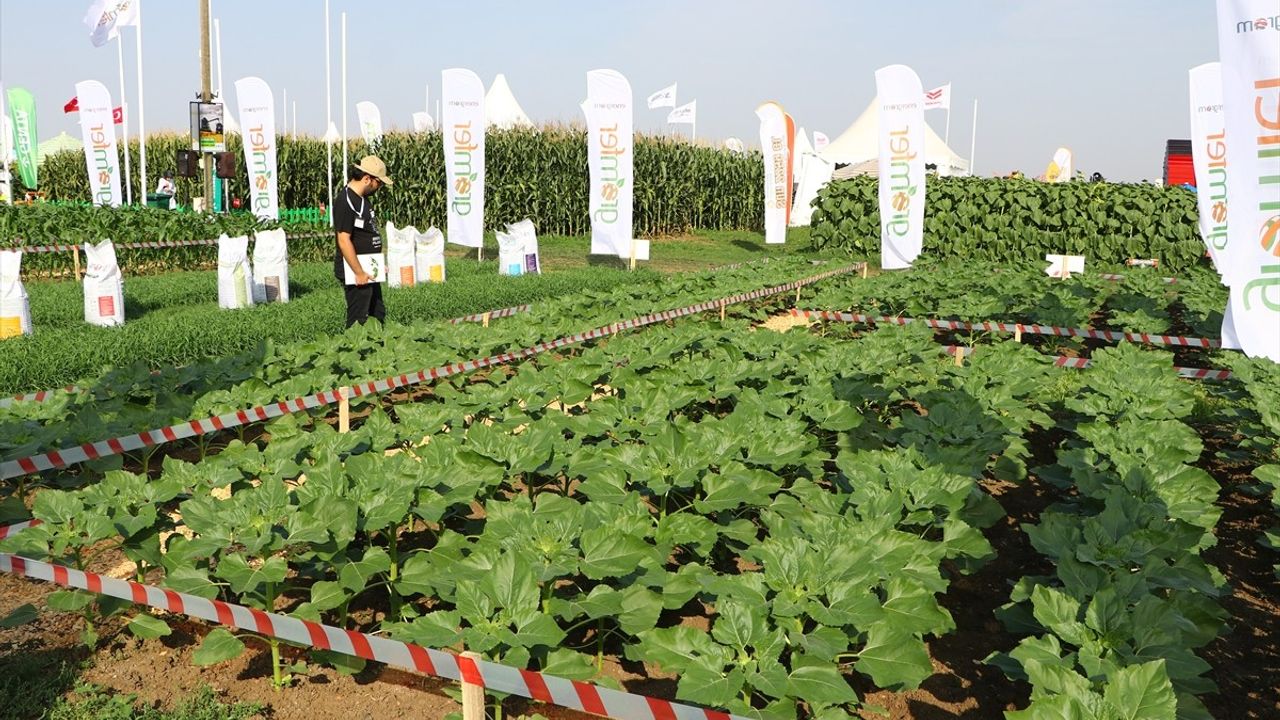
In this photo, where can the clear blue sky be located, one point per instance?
(1107, 78)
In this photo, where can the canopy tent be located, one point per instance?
(56, 145)
(500, 107)
(859, 148)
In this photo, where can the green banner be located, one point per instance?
(22, 115)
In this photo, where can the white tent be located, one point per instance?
(859, 148)
(500, 107)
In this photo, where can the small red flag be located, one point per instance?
(73, 106)
(117, 115)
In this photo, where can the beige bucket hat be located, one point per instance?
(374, 166)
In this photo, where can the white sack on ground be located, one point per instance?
(15, 307)
(270, 267)
(401, 267)
(235, 277)
(429, 255)
(103, 285)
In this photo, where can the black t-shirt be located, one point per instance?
(354, 214)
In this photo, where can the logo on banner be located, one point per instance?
(933, 94)
(611, 181)
(900, 181)
(102, 163)
(1262, 23)
(261, 169)
(464, 147)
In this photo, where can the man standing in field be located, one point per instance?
(357, 231)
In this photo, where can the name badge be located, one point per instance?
(360, 222)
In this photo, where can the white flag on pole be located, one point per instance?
(462, 124)
(666, 97)
(938, 98)
(1250, 63)
(610, 160)
(106, 17)
(820, 141)
(686, 114)
(901, 166)
(99, 132)
(422, 122)
(370, 118)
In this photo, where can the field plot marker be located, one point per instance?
(472, 694)
(344, 410)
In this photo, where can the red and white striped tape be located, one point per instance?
(1111, 335)
(141, 245)
(1115, 277)
(43, 395)
(1081, 363)
(117, 446)
(492, 314)
(550, 689)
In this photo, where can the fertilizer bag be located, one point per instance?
(103, 286)
(270, 267)
(235, 277)
(429, 255)
(15, 308)
(401, 269)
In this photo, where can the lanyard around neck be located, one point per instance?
(359, 213)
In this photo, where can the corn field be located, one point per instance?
(535, 173)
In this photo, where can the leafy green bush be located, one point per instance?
(1011, 220)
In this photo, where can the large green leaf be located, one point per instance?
(894, 658)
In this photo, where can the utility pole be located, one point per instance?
(206, 95)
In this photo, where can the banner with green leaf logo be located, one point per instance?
(22, 116)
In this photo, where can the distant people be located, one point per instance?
(168, 187)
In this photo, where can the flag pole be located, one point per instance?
(973, 141)
(142, 112)
(946, 134)
(284, 114)
(295, 119)
(344, 95)
(124, 111)
(328, 110)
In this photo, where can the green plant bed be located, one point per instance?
(983, 219)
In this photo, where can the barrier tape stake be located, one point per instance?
(344, 410)
(472, 695)
(864, 270)
(959, 356)
(1017, 333)
(75, 260)
(721, 311)
(484, 320)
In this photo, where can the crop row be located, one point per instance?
(173, 320)
(965, 290)
(1003, 221)
(530, 173)
(134, 397)
(552, 513)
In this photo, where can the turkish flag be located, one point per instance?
(117, 114)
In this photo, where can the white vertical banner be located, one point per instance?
(610, 159)
(1209, 155)
(258, 126)
(370, 118)
(1250, 57)
(6, 141)
(462, 125)
(820, 141)
(97, 128)
(421, 122)
(774, 143)
(901, 166)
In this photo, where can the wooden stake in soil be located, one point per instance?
(1017, 333)
(959, 356)
(484, 320)
(344, 410)
(472, 695)
(480, 252)
(864, 271)
(721, 311)
(75, 260)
